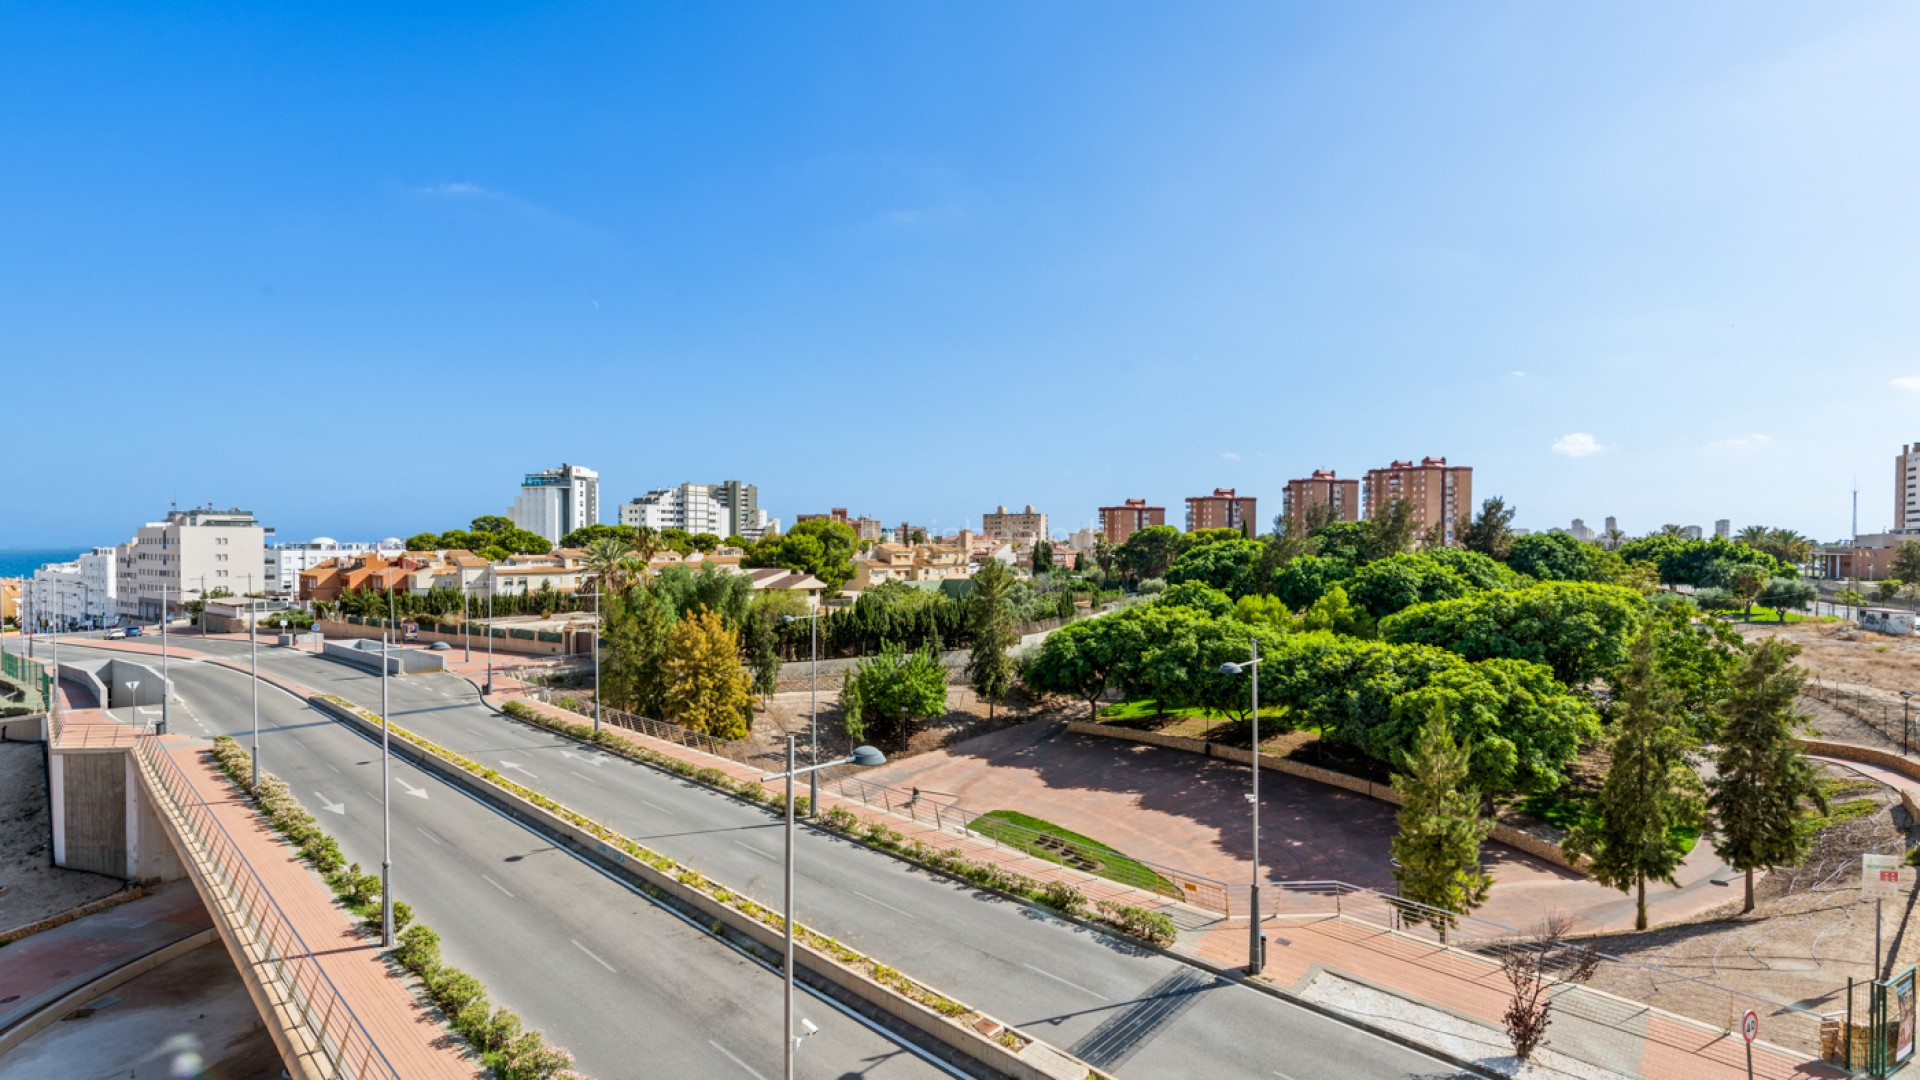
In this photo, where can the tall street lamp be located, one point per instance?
(813, 709)
(166, 680)
(1256, 951)
(1906, 718)
(862, 755)
(466, 628)
(253, 648)
(488, 692)
(386, 803)
(596, 658)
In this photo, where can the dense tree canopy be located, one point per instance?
(1387, 585)
(490, 537)
(1700, 562)
(821, 547)
(1226, 564)
(1560, 557)
(1578, 629)
(1198, 595)
(1150, 552)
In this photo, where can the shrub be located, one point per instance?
(418, 950)
(528, 1057)
(454, 990)
(500, 1029)
(1141, 923)
(840, 819)
(1063, 897)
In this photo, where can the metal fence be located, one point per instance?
(1881, 710)
(30, 675)
(287, 963)
(745, 753)
(1602, 1001)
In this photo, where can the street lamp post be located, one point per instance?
(596, 658)
(1256, 953)
(862, 755)
(166, 680)
(489, 690)
(813, 709)
(386, 804)
(1906, 718)
(253, 649)
(466, 628)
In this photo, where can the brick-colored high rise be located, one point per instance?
(1323, 488)
(1120, 522)
(1223, 510)
(1435, 490)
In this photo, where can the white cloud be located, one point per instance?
(1906, 382)
(1577, 445)
(459, 191)
(1744, 442)
(1518, 374)
(1231, 456)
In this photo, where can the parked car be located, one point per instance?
(132, 631)
(116, 633)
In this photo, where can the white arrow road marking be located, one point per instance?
(338, 808)
(594, 758)
(522, 768)
(411, 790)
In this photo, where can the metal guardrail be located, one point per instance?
(287, 963)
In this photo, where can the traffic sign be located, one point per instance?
(411, 630)
(1879, 874)
(1750, 1025)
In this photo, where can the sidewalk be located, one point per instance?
(48, 966)
(1644, 1042)
(405, 1030)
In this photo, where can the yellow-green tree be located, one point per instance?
(706, 690)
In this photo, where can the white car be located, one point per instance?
(116, 633)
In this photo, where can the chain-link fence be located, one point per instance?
(30, 677)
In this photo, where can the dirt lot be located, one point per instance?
(966, 718)
(30, 888)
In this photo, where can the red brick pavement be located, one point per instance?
(413, 1041)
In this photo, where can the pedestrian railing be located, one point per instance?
(338, 1037)
(745, 753)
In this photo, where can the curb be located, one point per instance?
(47, 1014)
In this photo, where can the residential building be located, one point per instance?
(690, 506)
(1132, 515)
(1580, 531)
(554, 502)
(1323, 488)
(77, 594)
(1691, 532)
(1906, 487)
(1435, 491)
(1087, 539)
(1613, 525)
(1224, 509)
(1004, 525)
(10, 593)
(864, 528)
(782, 580)
(916, 562)
(187, 555)
(1723, 528)
(285, 561)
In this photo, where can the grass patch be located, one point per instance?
(1069, 848)
(1149, 709)
(1567, 812)
(1761, 615)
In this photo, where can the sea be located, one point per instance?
(22, 562)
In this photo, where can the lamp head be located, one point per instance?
(867, 755)
(1230, 668)
(786, 618)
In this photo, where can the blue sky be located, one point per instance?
(358, 271)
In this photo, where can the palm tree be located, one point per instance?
(1613, 538)
(646, 542)
(1754, 536)
(605, 557)
(1669, 530)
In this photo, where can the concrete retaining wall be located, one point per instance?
(120, 674)
(1036, 1061)
(398, 661)
(335, 628)
(1502, 832)
(90, 810)
(1868, 755)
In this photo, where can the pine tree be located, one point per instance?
(706, 690)
(1437, 849)
(633, 671)
(989, 668)
(1761, 777)
(1650, 789)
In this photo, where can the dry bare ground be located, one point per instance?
(31, 887)
(966, 717)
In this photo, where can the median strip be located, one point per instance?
(967, 1030)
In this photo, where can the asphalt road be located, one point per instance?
(629, 988)
(1124, 1009)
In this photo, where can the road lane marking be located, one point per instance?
(596, 959)
(522, 768)
(330, 765)
(411, 790)
(883, 904)
(585, 777)
(428, 835)
(501, 887)
(756, 851)
(1064, 982)
(657, 806)
(334, 807)
(751, 1071)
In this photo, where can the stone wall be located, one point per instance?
(1505, 833)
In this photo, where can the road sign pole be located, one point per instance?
(1876, 938)
(1750, 1030)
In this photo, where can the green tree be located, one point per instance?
(706, 690)
(1042, 556)
(1851, 599)
(1579, 629)
(1559, 557)
(1306, 579)
(919, 536)
(606, 561)
(1906, 561)
(1789, 594)
(1746, 583)
(1333, 612)
(425, 541)
(1150, 552)
(989, 667)
(492, 523)
(888, 692)
(821, 547)
(1437, 849)
(1199, 596)
(1650, 789)
(1491, 533)
(1761, 779)
(1389, 531)
(1387, 585)
(1078, 660)
(633, 659)
(584, 536)
(1265, 611)
(761, 634)
(1225, 564)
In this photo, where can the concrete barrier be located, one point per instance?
(1035, 1060)
(399, 661)
(1507, 834)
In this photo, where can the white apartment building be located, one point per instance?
(728, 508)
(190, 554)
(554, 502)
(81, 593)
(285, 561)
